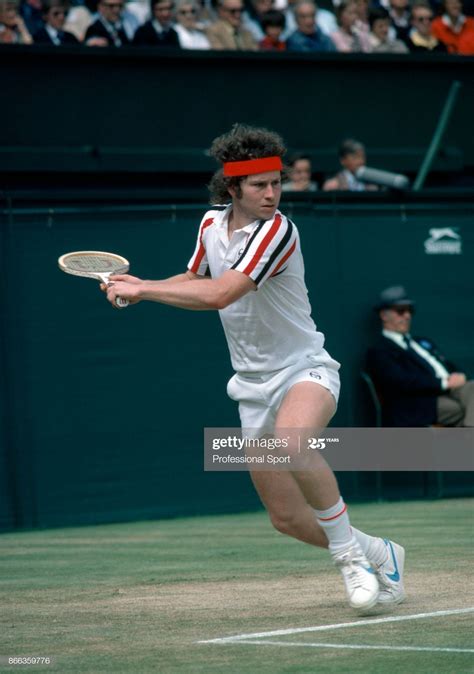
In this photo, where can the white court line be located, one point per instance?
(336, 626)
(357, 646)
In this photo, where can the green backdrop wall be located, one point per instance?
(147, 111)
(103, 411)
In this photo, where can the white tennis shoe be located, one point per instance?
(390, 574)
(362, 587)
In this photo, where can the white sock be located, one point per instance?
(336, 525)
(372, 547)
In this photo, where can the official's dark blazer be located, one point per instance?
(406, 382)
(146, 36)
(43, 37)
(97, 29)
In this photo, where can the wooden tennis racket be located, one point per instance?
(95, 264)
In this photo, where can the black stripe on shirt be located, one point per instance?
(249, 243)
(276, 253)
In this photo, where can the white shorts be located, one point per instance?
(260, 395)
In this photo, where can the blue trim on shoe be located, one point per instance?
(396, 575)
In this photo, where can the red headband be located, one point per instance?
(252, 166)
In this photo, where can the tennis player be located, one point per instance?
(284, 378)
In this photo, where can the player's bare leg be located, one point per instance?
(288, 509)
(306, 408)
(291, 512)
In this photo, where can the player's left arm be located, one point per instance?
(198, 294)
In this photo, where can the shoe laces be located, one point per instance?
(353, 564)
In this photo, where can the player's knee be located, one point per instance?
(284, 521)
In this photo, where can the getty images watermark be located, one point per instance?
(369, 449)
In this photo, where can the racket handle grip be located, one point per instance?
(120, 302)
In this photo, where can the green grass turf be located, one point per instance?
(138, 597)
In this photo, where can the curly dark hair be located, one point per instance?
(239, 144)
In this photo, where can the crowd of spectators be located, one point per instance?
(376, 26)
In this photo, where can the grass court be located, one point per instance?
(201, 595)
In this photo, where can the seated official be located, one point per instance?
(417, 385)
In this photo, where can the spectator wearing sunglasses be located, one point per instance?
(107, 30)
(190, 37)
(158, 31)
(420, 38)
(417, 385)
(227, 32)
(54, 15)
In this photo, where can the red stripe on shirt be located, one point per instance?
(202, 251)
(285, 258)
(263, 246)
(328, 519)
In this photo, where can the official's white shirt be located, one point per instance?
(270, 328)
(440, 371)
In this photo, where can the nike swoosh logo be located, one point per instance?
(395, 576)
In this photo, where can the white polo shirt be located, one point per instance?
(270, 328)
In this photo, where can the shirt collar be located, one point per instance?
(374, 40)
(52, 31)
(221, 220)
(456, 27)
(109, 25)
(421, 41)
(158, 27)
(396, 337)
(352, 182)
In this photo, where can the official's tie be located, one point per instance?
(407, 341)
(417, 356)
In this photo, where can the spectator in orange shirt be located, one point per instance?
(273, 24)
(454, 29)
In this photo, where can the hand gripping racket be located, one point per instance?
(95, 264)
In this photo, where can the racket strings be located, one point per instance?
(93, 263)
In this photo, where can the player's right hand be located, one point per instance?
(127, 278)
(121, 277)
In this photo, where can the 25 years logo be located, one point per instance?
(320, 443)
